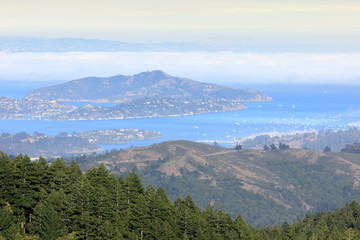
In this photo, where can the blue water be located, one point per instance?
(291, 110)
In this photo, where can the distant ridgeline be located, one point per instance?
(38, 144)
(265, 187)
(26, 44)
(147, 94)
(41, 201)
(336, 141)
(122, 88)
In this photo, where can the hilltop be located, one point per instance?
(317, 141)
(123, 88)
(264, 187)
(144, 95)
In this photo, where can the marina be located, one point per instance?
(287, 113)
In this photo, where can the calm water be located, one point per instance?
(292, 110)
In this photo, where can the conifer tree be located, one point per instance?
(52, 225)
(243, 230)
(8, 224)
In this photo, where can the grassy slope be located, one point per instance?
(265, 187)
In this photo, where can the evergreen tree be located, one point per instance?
(238, 147)
(266, 148)
(283, 146)
(8, 224)
(273, 147)
(59, 176)
(327, 149)
(242, 229)
(25, 190)
(52, 225)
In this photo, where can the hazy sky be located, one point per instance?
(263, 22)
(279, 21)
(215, 67)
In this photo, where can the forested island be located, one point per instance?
(39, 144)
(41, 201)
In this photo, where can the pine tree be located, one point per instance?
(133, 186)
(121, 206)
(82, 218)
(243, 230)
(8, 224)
(59, 176)
(266, 147)
(189, 219)
(160, 214)
(26, 189)
(349, 234)
(52, 225)
(139, 221)
(335, 234)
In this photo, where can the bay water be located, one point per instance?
(295, 108)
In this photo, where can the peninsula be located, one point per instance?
(144, 95)
(39, 144)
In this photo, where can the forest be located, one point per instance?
(55, 201)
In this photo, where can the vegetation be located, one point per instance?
(324, 139)
(338, 225)
(38, 144)
(351, 148)
(238, 147)
(153, 84)
(265, 187)
(42, 201)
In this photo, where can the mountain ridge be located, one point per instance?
(276, 186)
(123, 88)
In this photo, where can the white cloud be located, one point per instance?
(219, 67)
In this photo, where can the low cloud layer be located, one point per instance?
(217, 67)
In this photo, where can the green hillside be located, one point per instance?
(59, 202)
(264, 187)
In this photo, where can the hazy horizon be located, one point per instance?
(323, 37)
(214, 67)
(276, 22)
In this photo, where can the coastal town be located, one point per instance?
(24, 109)
(38, 144)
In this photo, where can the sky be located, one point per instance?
(279, 21)
(226, 68)
(257, 22)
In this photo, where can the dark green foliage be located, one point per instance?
(96, 205)
(291, 178)
(8, 223)
(238, 147)
(243, 231)
(351, 148)
(310, 179)
(283, 146)
(52, 224)
(335, 140)
(234, 199)
(273, 147)
(266, 148)
(340, 224)
(327, 149)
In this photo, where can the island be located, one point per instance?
(144, 95)
(39, 144)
